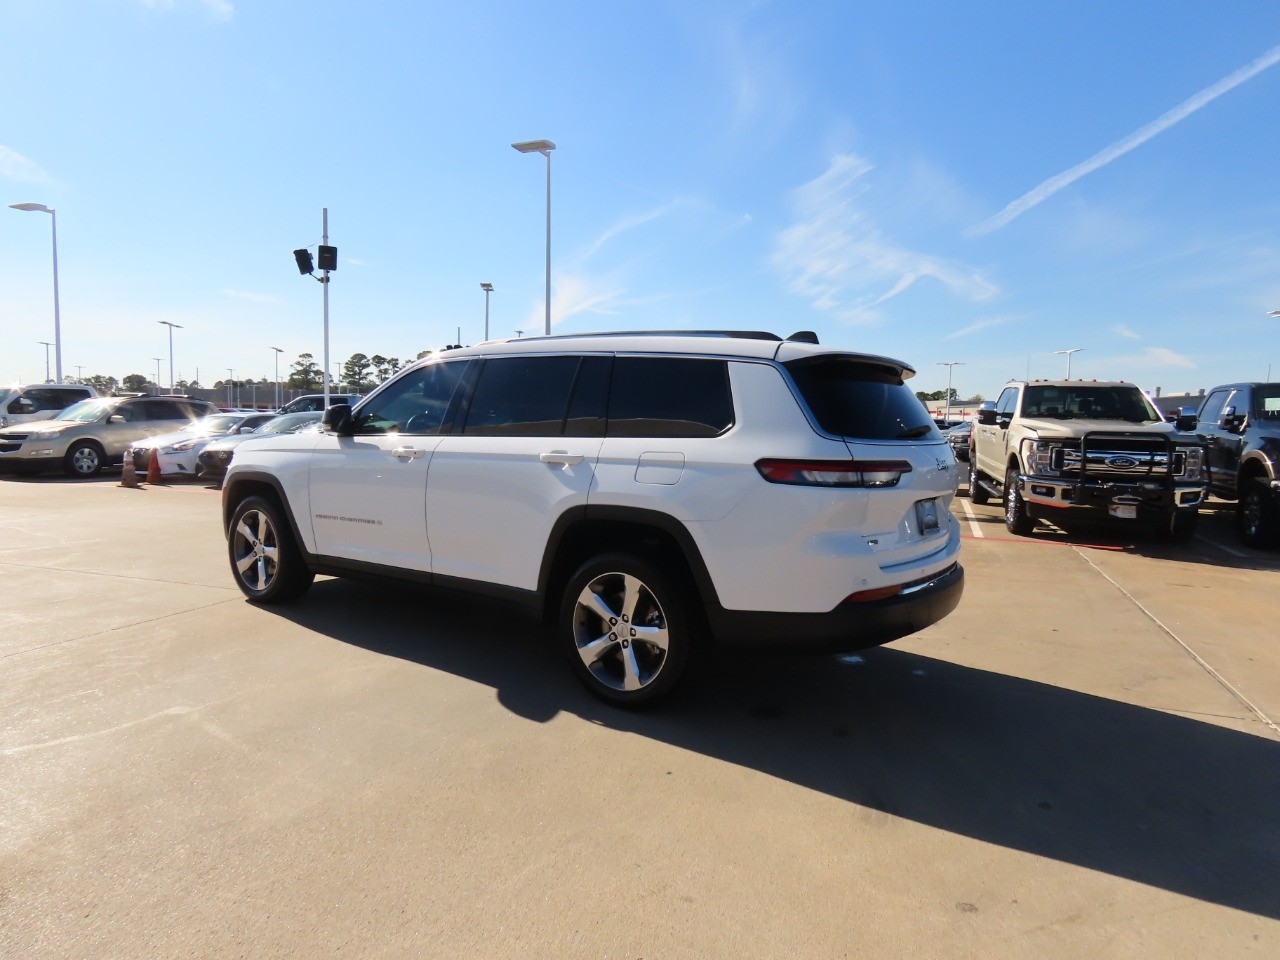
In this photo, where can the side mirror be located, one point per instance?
(987, 413)
(116, 418)
(246, 429)
(337, 420)
(1186, 420)
(1230, 420)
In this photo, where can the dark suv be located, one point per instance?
(1240, 426)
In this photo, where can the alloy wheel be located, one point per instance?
(620, 632)
(256, 550)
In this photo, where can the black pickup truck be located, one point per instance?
(1239, 424)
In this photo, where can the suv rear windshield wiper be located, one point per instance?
(913, 433)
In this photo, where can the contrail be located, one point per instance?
(1136, 139)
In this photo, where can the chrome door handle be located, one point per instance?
(562, 457)
(407, 453)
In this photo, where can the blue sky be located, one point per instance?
(934, 181)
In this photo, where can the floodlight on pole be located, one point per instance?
(488, 289)
(57, 319)
(46, 345)
(519, 334)
(1068, 353)
(171, 327)
(158, 361)
(543, 147)
(278, 352)
(950, 365)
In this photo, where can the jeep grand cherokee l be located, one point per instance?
(645, 492)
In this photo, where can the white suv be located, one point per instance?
(645, 492)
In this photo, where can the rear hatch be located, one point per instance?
(865, 402)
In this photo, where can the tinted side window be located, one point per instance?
(51, 398)
(416, 403)
(1008, 397)
(586, 417)
(163, 410)
(521, 397)
(669, 397)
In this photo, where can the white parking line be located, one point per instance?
(973, 519)
(1222, 546)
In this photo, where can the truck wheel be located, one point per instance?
(1256, 516)
(1017, 518)
(977, 492)
(627, 630)
(1179, 526)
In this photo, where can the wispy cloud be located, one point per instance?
(219, 10)
(1118, 149)
(1151, 358)
(976, 326)
(14, 166)
(251, 297)
(629, 223)
(839, 259)
(1120, 330)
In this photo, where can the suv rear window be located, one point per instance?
(853, 398)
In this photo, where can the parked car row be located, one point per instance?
(92, 433)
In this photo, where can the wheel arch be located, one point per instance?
(1253, 467)
(588, 531)
(242, 485)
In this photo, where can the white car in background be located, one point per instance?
(179, 451)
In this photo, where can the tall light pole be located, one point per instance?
(543, 147)
(171, 327)
(950, 365)
(46, 345)
(1069, 353)
(157, 360)
(79, 368)
(231, 380)
(57, 320)
(519, 334)
(278, 352)
(488, 289)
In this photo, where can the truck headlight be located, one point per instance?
(182, 447)
(1194, 468)
(1038, 456)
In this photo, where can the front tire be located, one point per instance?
(977, 492)
(265, 560)
(1179, 526)
(84, 460)
(1017, 518)
(626, 630)
(1257, 518)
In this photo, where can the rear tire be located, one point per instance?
(265, 560)
(627, 630)
(1017, 518)
(977, 492)
(1257, 516)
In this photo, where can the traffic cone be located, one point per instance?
(129, 473)
(153, 468)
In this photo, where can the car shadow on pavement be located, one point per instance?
(1165, 800)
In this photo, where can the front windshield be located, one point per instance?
(86, 411)
(1089, 402)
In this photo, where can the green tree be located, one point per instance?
(135, 382)
(103, 384)
(305, 374)
(356, 372)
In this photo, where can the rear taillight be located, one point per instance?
(834, 473)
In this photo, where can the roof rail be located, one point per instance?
(732, 334)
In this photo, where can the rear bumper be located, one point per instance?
(850, 626)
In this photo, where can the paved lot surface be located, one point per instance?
(1082, 761)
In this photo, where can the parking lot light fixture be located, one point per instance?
(231, 379)
(57, 320)
(1068, 353)
(950, 365)
(278, 352)
(543, 147)
(158, 361)
(488, 289)
(171, 327)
